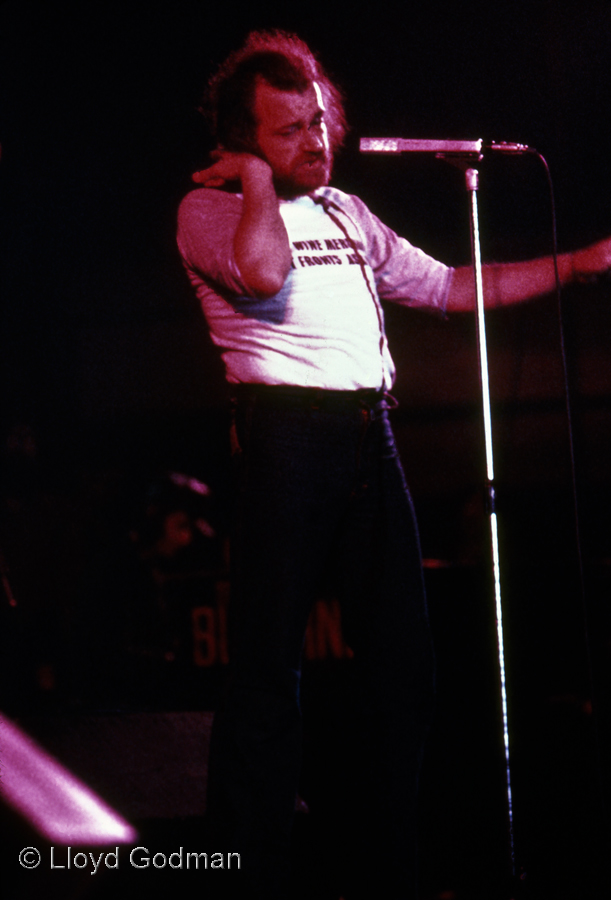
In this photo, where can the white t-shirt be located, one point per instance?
(325, 328)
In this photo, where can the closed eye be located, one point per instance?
(289, 130)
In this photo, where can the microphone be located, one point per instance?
(440, 149)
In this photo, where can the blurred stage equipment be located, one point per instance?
(56, 803)
(146, 766)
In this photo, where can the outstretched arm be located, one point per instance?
(261, 244)
(508, 283)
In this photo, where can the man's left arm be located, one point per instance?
(509, 283)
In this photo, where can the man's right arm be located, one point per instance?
(261, 245)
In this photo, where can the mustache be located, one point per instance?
(315, 156)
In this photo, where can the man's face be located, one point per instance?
(292, 137)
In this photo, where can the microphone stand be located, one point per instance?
(472, 185)
(465, 155)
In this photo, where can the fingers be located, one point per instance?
(213, 176)
(229, 166)
(223, 169)
(208, 178)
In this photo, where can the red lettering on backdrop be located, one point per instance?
(324, 638)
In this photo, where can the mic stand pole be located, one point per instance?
(472, 184)
(464, 154)
(464, 162)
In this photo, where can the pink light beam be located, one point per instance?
(60, 806)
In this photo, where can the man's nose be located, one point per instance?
(313, 141)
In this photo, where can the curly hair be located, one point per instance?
(285, 62)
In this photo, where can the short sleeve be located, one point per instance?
(207, 223)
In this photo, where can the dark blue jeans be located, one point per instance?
(321, 493)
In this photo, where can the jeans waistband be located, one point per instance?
(296, 395)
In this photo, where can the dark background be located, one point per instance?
(109, 379)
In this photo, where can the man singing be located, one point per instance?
(291, 274)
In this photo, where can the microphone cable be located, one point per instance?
(576, 512)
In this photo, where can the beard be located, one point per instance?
(305, 177)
